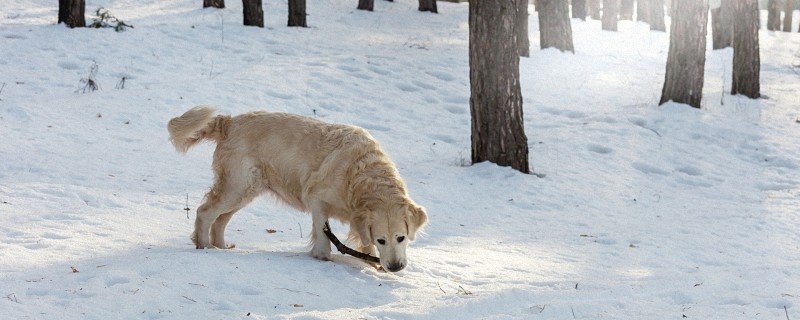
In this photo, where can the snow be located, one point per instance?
(643, 211)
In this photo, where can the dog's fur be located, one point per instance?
(330, 170)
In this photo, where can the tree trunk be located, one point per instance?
(686, 59)
(610, 13)
(579, 9)
(253, 13)
(643, 11)
(626, 10)
(594, 8)
(788, 8)
(523, 42)
(366, 4)
(428, 5)
(746, 60)
(722, 25)
(214, 3)
(72, 12)
(498, 134)
(297, 13)
(555, 29)
(773, 15)
(656, 15)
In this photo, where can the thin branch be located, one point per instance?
(787, 312)
(344, 249)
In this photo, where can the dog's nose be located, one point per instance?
(394, 267)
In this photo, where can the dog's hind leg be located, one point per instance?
(218, 230)
(225, 198)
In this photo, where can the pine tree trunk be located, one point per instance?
(579, 9)
(555, 29)
(594, 9)
(746, 60)
(253, 13)
(498, 134)
(626, 10)
(297, 13)
(722, 25)
(523, 42)
(773, 15)
(214, 3)
(366, 5)
(72, 13)
(788, 9)
(642, 11)
(686, 59)
(610, 13)
(428, 5)
(656, 15)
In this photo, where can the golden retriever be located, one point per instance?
(331, 170)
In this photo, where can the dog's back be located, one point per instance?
(294, 157)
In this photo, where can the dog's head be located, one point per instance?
(390, 230)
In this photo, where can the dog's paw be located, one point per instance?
(324, 256)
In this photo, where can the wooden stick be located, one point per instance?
(344, 249)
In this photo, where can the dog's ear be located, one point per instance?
(361, 225)
(416, 219)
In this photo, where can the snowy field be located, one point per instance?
(644, 211)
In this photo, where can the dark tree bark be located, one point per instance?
(498, 134)
(788, 7)
(523, 42)
(656, 15)
(722, 25)
(297, 13)
(428, 5)
(746, 59)
(642, 11)
(686, 59)
(626, 10)
(72, 13)
(214, 3)
(366, 4)
(610, 13)
(253, 13)
(579, 9)
(555, 29)
(773, 15)
(594, 9)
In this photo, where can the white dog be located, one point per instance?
(333, 171)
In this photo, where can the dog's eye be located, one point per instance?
(400, 239)
(381, 242)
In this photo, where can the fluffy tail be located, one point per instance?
(195, 125)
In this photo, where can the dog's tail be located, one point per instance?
(195, 125)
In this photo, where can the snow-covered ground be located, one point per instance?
(644, 211)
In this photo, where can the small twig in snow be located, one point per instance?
(786, 311)
(190, 299)
(187, 206)
(463, 291)
(297, 291)
(440, 287)
(12, 297)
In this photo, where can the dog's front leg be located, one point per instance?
(320, 245)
